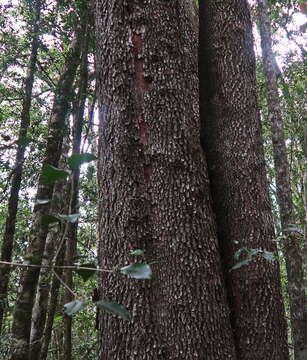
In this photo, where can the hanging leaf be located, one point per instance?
(86, 273)
(42, 202)
(239, 252)
(137, 252)
(32, 259)
(113, 308)
(269, 256)
(72, 218)
(49, 219)
(137, 271)
(294, 228)
(240, 264)
(78, 159)
(72, 307)
(24, 141)
(51, 174)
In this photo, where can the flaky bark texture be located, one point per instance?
(153, 186)
(24, 304)
(292, 252)
(232, 143)
(10, 223)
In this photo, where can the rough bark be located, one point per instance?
(37, 239)
(153, 187)
(291, 246)
(10, 223)
(231, 137)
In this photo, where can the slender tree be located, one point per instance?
(10, 223)
(154, 190)
(52, 304)
(231, 137)
(24, 304)
(53, 241)
(291, 242)
(71, 241)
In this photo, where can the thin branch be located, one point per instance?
(56, 267)
(64, 284)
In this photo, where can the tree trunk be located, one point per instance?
(154, 190)
(71, 241)
(53, 241)
(9, 232)
(24, 304)
(52, 306)
(231, 137)
(291, 246)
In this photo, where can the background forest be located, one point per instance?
(49, 130)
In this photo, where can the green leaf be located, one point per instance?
(72, 218)
(240, 264)
(293, 228)
(137, 271)
(269, 256)
(254, 252)
(72, 307)
(57, 319)
(24, 141)
(32, 259)
(51, 174)
(113, 308)
(52, 218)
(42, 202)
(239, 252)
(86, 273)
(49, 219)
(137, 252)
(78, 159)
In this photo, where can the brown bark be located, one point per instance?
(231, 137)
(10, 223)
(154, 191)
(291, 246)
(24, 304)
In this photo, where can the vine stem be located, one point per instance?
(64, 284)
(56, 267)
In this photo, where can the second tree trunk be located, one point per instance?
(232, 142)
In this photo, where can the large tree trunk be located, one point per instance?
(291, 240)
(154, 190)
(232, 142)
(24, 304)
(9, 232)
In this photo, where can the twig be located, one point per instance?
(57, 267)
(64, 284)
